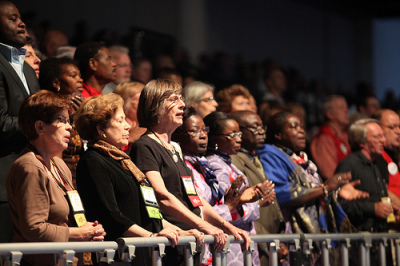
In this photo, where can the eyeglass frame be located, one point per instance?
(196, 132)
(257, 129)
(208, 99)
(232, 135)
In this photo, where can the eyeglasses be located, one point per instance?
(392, 127)
(176, 98)
(63, 120)
(209, 99)
(255, 130)
(232, 135)
(196, 132)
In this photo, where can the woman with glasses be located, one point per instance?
(160, 110)
(39, 184)
(192, 138)
(225, 140)
(201, 96)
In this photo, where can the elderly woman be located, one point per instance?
(130, 92)
(160, 111)
(300, 191)
(200, 96)
(31, 58)
(39, 182)
(62, 76)
(235, 98)
(225, 140)
(111, 185)
(192, 137)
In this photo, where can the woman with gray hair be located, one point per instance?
(200, 96)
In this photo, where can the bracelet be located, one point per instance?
(325, 190)
(151, 235)
(222, 224)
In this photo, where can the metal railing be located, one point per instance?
(11, 253)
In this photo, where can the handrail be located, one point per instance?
(12, 252)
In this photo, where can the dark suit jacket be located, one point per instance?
(271, 216)
(12, 93)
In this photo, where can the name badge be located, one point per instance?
(392, 168)
(191, 192)
(150, 201)
(77, 207)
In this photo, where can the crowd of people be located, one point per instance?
(97, 145)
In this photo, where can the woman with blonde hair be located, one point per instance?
(130, 93)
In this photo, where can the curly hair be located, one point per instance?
(275, 125)
(226, 96)
(96, 111)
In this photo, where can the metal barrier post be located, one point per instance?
(326, 245)
(225, 251)
(15, 258)
(189, 252)
(344, 252)
(106, 256)
(273, 253)
(65, 258)
(157, 255)
(247, 255)
(382, 252)
(216, 257)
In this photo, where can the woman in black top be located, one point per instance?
(109, 182)
(160, 110)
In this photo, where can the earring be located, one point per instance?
(216, 146)
(58, 88)
(104, 135)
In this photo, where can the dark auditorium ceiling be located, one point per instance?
(358, 9)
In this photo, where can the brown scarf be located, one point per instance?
(119, 155)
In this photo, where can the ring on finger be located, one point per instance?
(237, 190)
(339, 178)
(268, 191)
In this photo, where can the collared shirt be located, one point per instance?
(362, 211)
(89, 91)
(16, 57)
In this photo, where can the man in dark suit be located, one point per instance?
(246, 160)
(17, 81)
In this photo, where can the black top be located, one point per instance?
(149, 155)
(361, 212)
(111, 195)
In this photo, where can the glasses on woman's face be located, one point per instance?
(232, 135)
(257, 130)
(209, 99)
(63, 120)
(176, 98)
(196, 132)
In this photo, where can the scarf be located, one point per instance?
(121, 156)
(203, 167)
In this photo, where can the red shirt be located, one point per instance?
(89, 91)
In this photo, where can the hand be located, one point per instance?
(349, 192)
(283, 253)
(396, 212)
(171, 234)
(219, 236)
(196, 233)
(383, 209)
(76, 101)
(269, 193)
(233, 193)
(239, 234)
(333, 182)
(92, 232)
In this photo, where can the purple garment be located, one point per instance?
(226, 171)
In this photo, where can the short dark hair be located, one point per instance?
(51, 69)
(84, 53)
(215, 121)
(275, 125)
(42, 105)
(188, 112)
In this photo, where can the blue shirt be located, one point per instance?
(16, 57)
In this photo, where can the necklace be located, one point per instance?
(174, 156)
